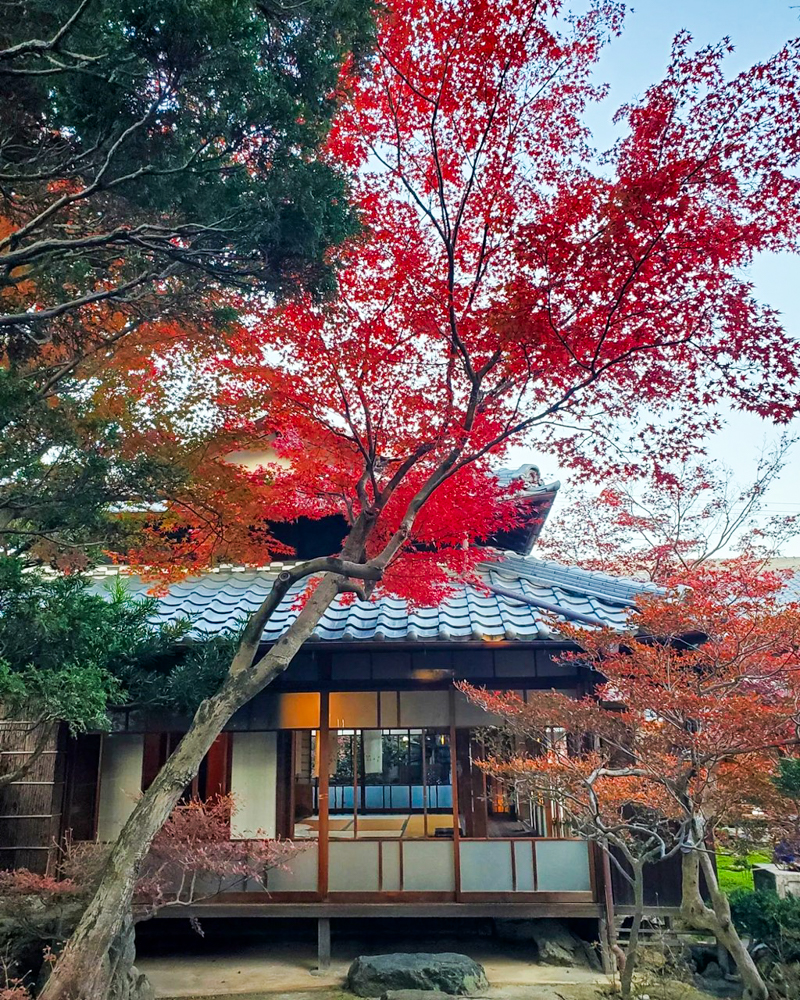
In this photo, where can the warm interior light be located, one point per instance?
(432, 674)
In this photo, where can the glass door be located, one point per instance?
(390, 784)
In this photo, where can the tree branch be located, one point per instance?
(38, 46)
(251, 637)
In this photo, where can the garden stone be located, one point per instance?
(131, 985)
(449, 973)
(723, 988)
(698, 954)
(415, 995)
(555, 942)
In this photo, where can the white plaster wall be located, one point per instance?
(120, 782)
(254, 777)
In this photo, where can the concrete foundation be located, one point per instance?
(771, 878)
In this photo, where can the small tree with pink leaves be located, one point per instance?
(193, 859)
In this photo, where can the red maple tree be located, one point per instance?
(506, 287)
(695, 704)
(675, 520)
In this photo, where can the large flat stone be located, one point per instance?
(555, 942)
(455, 975)
(415, 995)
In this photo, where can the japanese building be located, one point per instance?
(364, 751)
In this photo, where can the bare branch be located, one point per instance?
(37, 46)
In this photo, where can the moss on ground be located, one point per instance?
(732, 875)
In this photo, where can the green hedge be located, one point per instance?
(769, 920)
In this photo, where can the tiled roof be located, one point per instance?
(226, 597)
(601, 585)
(528, 474)
(790, 566)
(535, 499)
(791, 591)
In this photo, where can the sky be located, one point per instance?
(756, 28)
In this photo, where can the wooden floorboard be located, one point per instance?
(400, 910)
(649, 911)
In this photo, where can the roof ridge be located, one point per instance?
(274, 568)
(506, 476)
(571, 577)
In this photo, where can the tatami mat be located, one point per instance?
(392, 826)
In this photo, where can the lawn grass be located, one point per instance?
(731, 876)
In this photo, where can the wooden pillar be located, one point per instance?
(608, 923)
(323, 944)
(83, 777)
(454, 782)
(218, 766)
(356, 804)
(424, 740)
(472, 793)
(323, 793)
(606, 957)
(284, 798)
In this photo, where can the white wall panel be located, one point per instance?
(428, 866)
(470, 714)
(486, 866)
(424, 708)
(254, 784)
(354, 866)
(353, 709)
(562, 866)
(300, 875)
(120, 782)
(391, 865)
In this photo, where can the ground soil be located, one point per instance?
(262, 961)
(280, 969)
(667, 990)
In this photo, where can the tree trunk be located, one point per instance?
(79, 973)
(717, 919)
(628, 969)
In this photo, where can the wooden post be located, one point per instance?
(607, 924)
(96, 816)
(323, 767)
(454, 782)
(323, 944)
(423, 738)
(606, 957)
(354, 738)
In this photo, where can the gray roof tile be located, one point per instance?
(224, 599)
